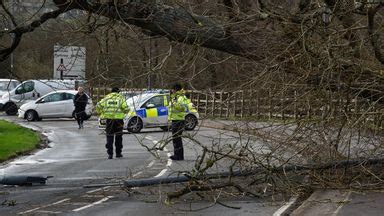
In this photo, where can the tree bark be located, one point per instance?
(373, 33)
(177, 24)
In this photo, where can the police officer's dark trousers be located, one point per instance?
(114, 132)
(177, 132)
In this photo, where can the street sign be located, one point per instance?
(69, 62)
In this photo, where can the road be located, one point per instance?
(76, 158)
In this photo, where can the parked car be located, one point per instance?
(150, 110)
(57, 104)
(31, 90)
(7, 85)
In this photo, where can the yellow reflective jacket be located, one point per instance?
(113, 106)
(178, 106)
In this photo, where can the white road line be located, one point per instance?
(342, 203)
(149, 138)
(161, 173)
(169, 161)
(49, 212)
(283, 208)
(58, 202)
(99, 189)
(134, 175)
(150, 164)
(93, 204)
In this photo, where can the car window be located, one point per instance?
(3, 85)
(68, 96)
(25, 87)
(53, 97)
(13, 85)
(158, 101)
(168, 99)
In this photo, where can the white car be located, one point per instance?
(32, 90)
(150, 110)
(7, 85)
(57, 104)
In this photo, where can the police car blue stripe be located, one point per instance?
(141, 113)
(162, 111)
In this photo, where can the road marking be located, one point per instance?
(96, 190)
(49, 212)
(283, 208)
(58, 202)
(134, 175)
(169, 161)
(342, 203)
(161, 173)
(93, 204)
(150, 164)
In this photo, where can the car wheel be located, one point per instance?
(10, 109)
(165, 128)
(190, 122)
(31, 115)
(135, 125)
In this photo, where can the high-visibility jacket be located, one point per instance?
(113, 106)
(178, 106)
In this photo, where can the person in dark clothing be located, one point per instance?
(80, 101)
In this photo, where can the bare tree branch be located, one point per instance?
(373, 33)
(179, 25)
(18, 32)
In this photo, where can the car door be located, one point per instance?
(155, 110)
(162, 111)
(51, 105)
(25, 91)
(69, 107)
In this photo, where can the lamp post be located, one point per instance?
(12, 35)
(149, 64)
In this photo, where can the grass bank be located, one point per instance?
(16, 140)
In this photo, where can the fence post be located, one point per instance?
(97, 94)
(228, 104)
(295, 104)
(257, 104)
(206, 104)
(213, 104)
(242, 104)
(234, 103)
(270, 102)
(282, 106)
(221, 104)
(309, 109)
(250, 107)
(198, 101)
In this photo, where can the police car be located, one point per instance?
(149, 110)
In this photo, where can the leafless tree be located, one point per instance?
(326, 53)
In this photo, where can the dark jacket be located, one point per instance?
(80, 102)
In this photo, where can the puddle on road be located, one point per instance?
(25, 162)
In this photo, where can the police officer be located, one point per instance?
(177, 109)
(113, 108)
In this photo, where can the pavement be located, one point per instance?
(340, 202)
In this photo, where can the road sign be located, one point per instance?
(69, 62)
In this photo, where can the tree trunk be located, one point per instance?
(179, 25)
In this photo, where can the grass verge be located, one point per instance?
(16, 140)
